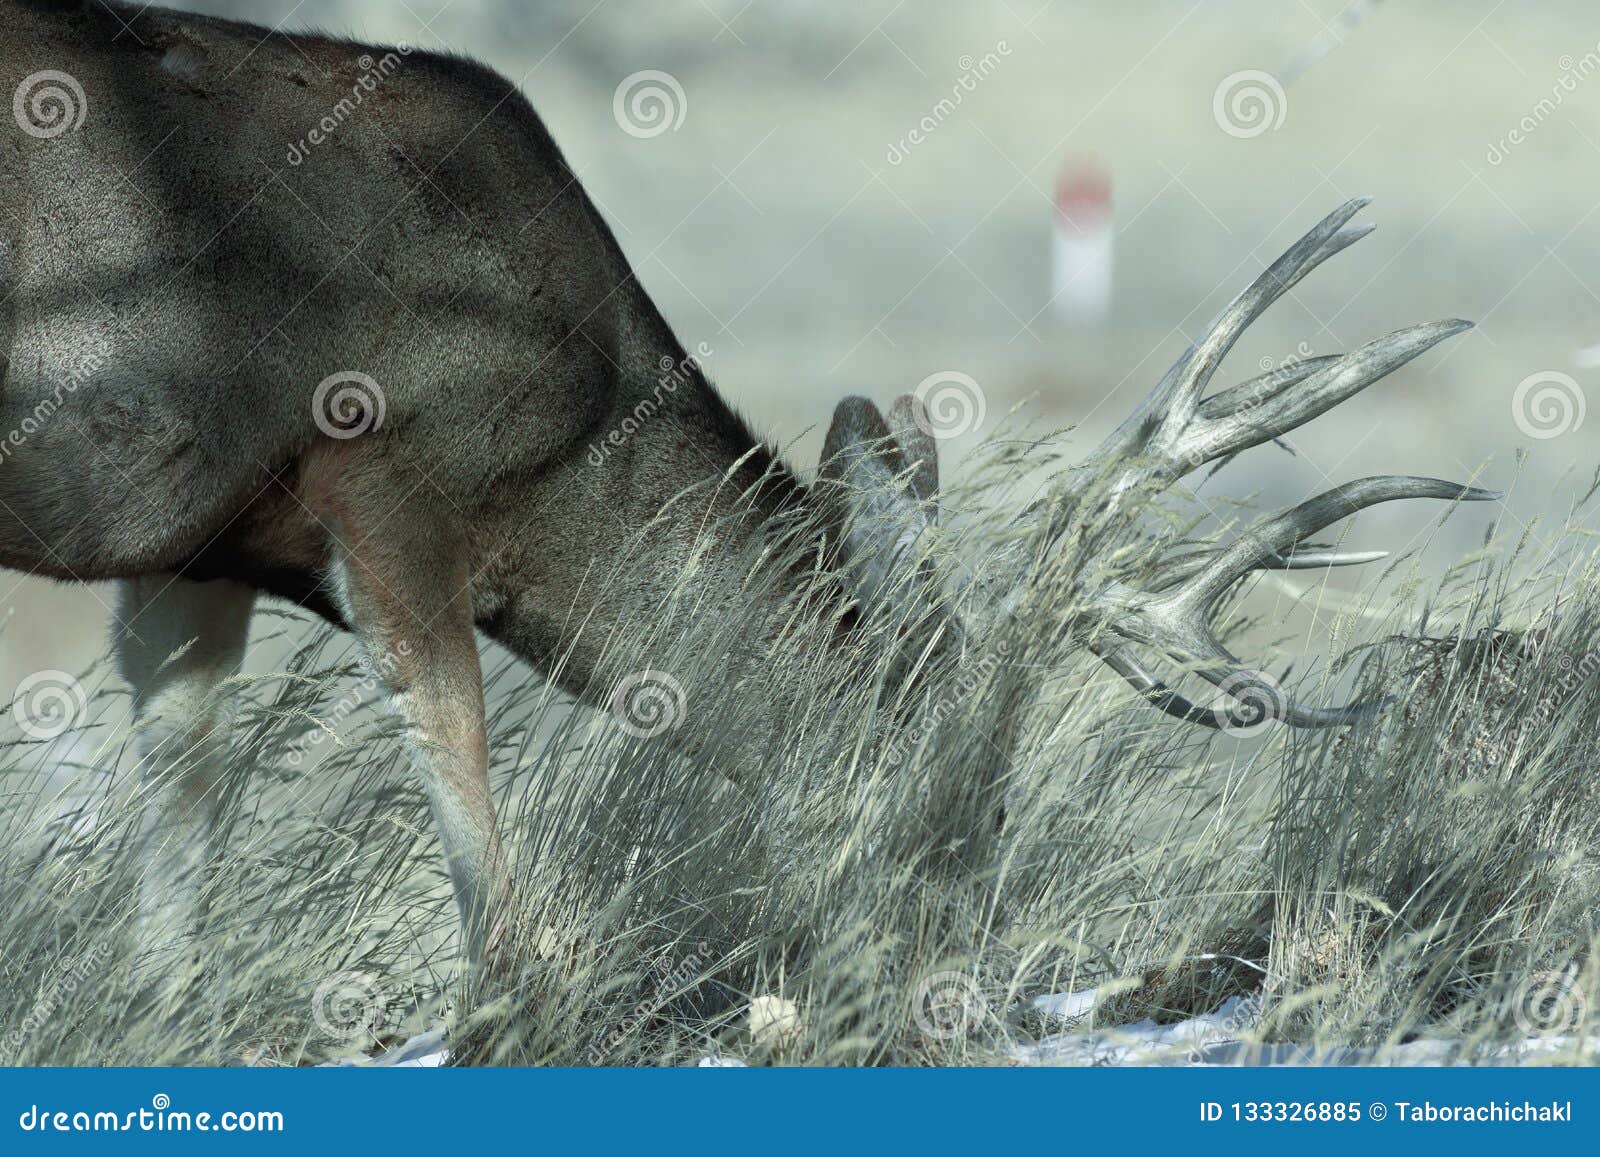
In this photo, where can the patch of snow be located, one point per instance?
(426, 1050)
(1213, 1039)
(1210, 1039)
(1144, 1042)
(1066, 1006)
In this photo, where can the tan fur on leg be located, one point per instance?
(411, 608)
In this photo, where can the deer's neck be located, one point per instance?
(647, 551)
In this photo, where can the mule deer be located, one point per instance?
(365, 378)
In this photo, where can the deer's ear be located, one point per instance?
(881, 517)
(908, 419)
(859, 444)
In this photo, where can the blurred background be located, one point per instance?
(1050, 198)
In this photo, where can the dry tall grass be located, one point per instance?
(1423, 872)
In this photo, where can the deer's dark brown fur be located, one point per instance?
(228, 228)
(193, 287)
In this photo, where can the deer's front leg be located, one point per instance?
(177, 643)
(404, 590)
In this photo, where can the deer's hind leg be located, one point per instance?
(403, 582)
(177, 641)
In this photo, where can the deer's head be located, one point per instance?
(885, 473)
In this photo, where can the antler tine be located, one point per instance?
(1161, 435)
(1305, 556)
(1342, 239)
(1171, 604)
(1175, 614)
(1322, 242)
(1266, 700)
(1174, 400)
(1255, 391)
(1164, 698)
(1263, 700)
(1287, 408)
(1312, 556)
(1271, 544)
(1189, 638)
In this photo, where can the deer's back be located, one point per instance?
(239, 217)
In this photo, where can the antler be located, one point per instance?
(893, 477)
(1177, 430)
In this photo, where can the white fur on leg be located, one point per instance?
(176, 642)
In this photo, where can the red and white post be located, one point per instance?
(1085, 235)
